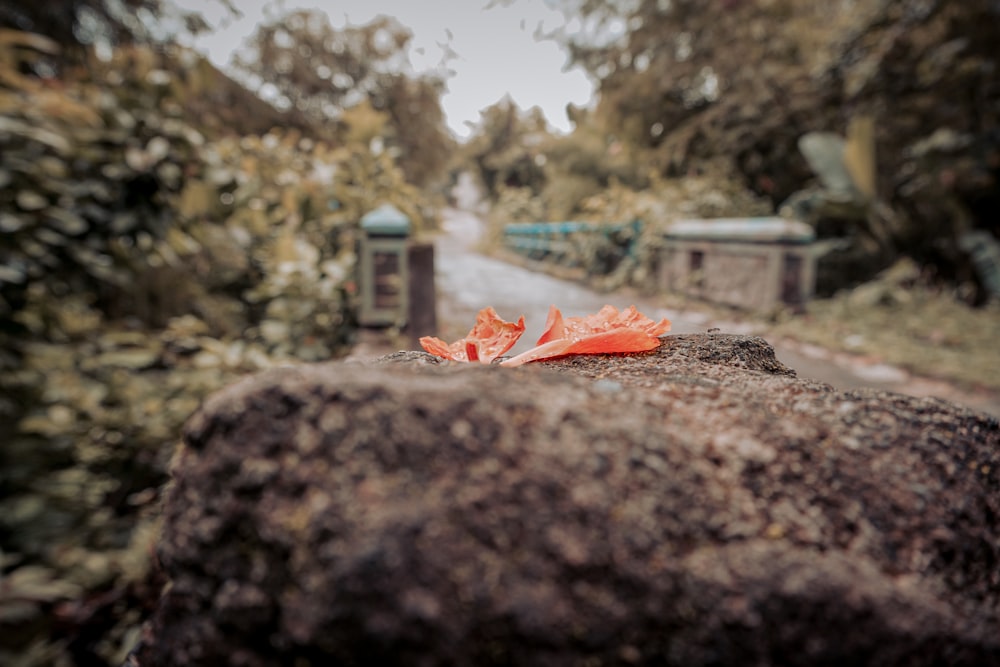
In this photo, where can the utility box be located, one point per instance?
(750, 263)
(384, 267)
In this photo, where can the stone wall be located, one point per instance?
(694, 505)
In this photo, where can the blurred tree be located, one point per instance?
(664, 67)
(419, 130)
(69, 21)
(99, 49)
(79, 23)
(300, 61)
(507, 148)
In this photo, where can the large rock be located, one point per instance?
(696, 505)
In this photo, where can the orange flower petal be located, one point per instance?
(555, 328)
(607, 319)
(436, 346)
(604, 332)
(619, 340)
(488, 339)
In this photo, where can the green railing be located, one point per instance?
(565, 242)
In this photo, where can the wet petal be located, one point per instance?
(436, 346)
(555, 328)
(604, 332)
(488, 339)
(605, 342)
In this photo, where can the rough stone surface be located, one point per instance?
(697, 505)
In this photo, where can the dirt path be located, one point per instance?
(468, 281)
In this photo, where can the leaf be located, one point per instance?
(488, 339)
(605, 332)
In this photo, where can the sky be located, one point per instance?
(497, 54)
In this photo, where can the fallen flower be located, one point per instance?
(607, 331)
(488, 339)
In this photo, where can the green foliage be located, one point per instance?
(77, 25)
(729, 88)
(418, 130)
(507, 149)
(145, 262)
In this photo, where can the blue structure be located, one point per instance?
(556, 241)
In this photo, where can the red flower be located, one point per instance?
(607, 331)
(490, 338)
